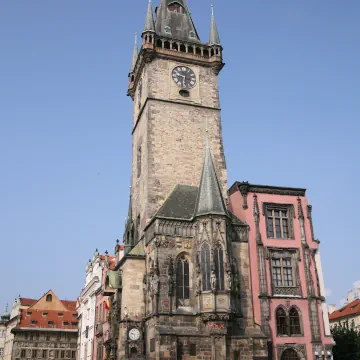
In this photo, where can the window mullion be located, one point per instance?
(282, 272)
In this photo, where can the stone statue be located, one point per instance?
(230, 280)
(213, 280)
(155, 283)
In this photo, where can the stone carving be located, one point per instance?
(300, 349)
(213, 280)
(155, 284)
(162, 242)
(230, 280)
(293, 291)
(244, 189)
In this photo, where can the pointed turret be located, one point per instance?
(135, 55)
(129, 230)
(214, 34)
(173, 20)
(149, 21)
(210, 199)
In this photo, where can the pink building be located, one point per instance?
(103, 340)
(286, 274)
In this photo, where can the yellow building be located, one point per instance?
(349, 314)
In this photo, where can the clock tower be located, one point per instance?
(174, 86)
(185, 280)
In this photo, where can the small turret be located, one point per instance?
(214, 34)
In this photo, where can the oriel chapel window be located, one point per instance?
(205, 267)
(176, 7)
(182, 281)
(219, 267)
(294, 320)
(288, 324)
(279, 221)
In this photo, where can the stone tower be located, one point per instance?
(185, 282)
(174, 84)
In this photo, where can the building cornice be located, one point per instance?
(266, 189)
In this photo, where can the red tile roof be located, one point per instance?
(39, 319)
(70, 305)
(27, 302)
(348, 310)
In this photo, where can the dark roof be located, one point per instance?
(180, 25)
(210, 199)
(234, 219)
(214, 34)
(149, 21)
(180, 204)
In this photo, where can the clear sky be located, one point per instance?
(290, 95)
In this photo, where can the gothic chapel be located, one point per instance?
(185, 282)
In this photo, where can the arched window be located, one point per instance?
(289, 354)
(281, 320)
(205, 267)
(49, 297)
(219, 267)
(133, 353)
(176, 7)
(182, 281)
(294, 322)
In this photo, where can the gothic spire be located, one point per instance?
(210, 199)
(129, 229)
(214, 34)
(135, 55)
(173, 20)
(149, 22)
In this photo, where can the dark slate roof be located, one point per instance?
(180, 204)
(210, 199)
(135, 55)
(180, 25)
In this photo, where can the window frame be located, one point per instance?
(205, 266)
(287, 325)
(289, 208)
(285, 290)
(219, 267)
(183, 281)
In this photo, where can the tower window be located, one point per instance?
(182, 281)
(139, 161)
(176, 7)
(205, 267)
(219, 267)
(49, 297)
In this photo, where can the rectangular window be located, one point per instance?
(34, 353)
(33, 322)
(1, 352)
(62, 354)
(73, 354)
(48, 338)
(50, 323)
(44, 354)
(282, 272)
(57, 354)
(278, 223)
(65, 323)
(44, 314)
(23, 353)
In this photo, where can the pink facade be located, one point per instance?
(286, 273)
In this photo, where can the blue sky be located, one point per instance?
(290, 95)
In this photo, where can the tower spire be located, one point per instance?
(135, 55)
(214, 34)
(149, 21)
(173, 20)
(210, 199)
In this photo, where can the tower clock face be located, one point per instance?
(134, 334)
(184, 77)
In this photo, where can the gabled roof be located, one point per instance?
(348, 310)
(210, 199)
(175, 25)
